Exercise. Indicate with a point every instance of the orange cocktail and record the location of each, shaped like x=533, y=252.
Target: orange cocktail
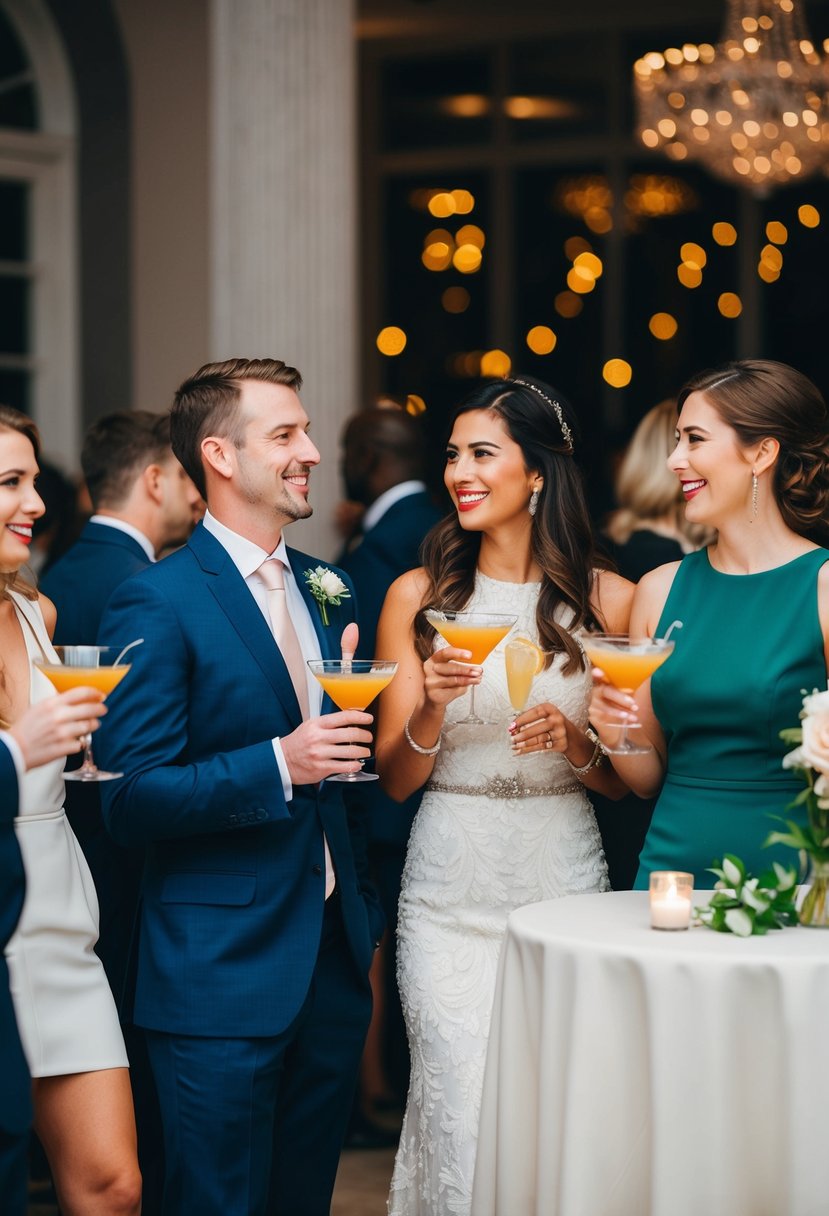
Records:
x=626, y=662
x=353, y=684
x=102, y=678
x=625, y=670
x=87, y=667
x=479, y=632
x=354, y=690
x=480, y=639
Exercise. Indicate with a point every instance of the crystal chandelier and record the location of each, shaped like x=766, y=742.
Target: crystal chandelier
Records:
x=754, y=109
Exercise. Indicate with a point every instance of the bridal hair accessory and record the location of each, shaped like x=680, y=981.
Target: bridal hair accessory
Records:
x=557, y=410
x=754, y=484
x=327, y=588
x=533, y=503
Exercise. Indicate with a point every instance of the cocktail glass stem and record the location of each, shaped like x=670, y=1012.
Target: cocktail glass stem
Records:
x=472, y=718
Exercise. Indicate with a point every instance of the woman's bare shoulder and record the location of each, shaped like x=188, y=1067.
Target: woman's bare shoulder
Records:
x=612, y=597
x=407, y=591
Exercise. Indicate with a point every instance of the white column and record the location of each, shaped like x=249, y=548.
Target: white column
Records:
x=283, y=224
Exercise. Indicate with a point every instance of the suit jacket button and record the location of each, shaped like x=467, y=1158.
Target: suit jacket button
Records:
x=317, y=870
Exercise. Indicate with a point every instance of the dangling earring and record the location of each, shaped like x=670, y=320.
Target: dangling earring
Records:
x=533, y=505
x=754, y=484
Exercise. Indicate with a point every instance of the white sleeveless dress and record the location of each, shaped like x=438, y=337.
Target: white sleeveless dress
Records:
x=64, y=1007
x=493, y=832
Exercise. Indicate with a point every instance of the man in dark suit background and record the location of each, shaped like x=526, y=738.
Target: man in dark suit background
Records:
x=384, y=469
x=45, y=731
x=258, y=922
x=143, y=503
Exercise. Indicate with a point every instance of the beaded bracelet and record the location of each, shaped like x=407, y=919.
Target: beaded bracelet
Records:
x=595, y=760
x=421, y=751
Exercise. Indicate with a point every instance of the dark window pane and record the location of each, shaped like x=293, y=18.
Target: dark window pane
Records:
x=18, y=100
x=559, y=88
x=442, y=312
x=670, y=217
x=15, y=389
x=796, y=305
x=14, y=209
x=435, y=102
x=14, y=316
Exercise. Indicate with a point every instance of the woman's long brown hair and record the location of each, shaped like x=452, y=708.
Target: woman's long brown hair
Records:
x=562, y=534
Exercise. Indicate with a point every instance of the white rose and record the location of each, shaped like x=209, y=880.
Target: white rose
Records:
x=815, y=745
x=816, y=702
x=332, y=585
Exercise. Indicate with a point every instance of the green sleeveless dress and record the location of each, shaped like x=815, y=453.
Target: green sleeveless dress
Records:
x=748, y=648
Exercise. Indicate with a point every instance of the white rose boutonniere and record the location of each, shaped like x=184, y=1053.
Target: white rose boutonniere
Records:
x=327, y=588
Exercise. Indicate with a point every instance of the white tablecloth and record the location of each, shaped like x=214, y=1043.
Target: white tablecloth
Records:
x=633, y=1072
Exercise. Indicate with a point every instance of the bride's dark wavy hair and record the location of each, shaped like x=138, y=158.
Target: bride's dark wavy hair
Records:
x=562, y=535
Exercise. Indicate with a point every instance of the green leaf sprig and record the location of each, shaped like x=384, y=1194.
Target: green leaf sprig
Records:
x=746, y=906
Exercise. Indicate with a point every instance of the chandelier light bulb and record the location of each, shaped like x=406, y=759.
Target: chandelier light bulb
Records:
x=754, y=109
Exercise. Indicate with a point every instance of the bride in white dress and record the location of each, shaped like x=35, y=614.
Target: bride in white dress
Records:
x=505, y=819
x=65, y=1012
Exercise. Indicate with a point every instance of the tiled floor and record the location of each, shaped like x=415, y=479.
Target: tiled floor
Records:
x=362, y=1185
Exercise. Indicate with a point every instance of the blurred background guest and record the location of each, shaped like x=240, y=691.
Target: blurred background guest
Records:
x=384, y=470
x=61, y=521
x=649, y=528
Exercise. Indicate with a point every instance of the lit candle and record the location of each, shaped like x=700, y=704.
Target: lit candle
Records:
x=670, y=899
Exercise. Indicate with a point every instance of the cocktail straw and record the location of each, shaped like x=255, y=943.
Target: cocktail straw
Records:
x=137, y=642
x=673, y=625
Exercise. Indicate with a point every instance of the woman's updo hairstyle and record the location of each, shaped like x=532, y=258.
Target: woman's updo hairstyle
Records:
x=758, y=398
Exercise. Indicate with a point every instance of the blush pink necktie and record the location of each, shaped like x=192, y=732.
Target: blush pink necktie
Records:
x=272, y=575
x=271, y=572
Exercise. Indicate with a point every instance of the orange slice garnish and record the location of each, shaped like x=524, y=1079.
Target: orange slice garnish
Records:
x=526, y=643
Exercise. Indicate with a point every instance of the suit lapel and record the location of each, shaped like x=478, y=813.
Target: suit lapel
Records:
x=328, y=637
x=234, y=598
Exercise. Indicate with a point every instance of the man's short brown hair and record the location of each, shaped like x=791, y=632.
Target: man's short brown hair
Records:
x=116, y=450
x=207, y=404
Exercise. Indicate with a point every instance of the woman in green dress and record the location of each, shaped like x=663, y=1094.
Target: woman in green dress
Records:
x=752, y=457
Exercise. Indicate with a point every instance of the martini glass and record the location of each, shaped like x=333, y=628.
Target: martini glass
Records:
x=353, y=684
x=479, y=632
x=86, y=667
x=627, y=662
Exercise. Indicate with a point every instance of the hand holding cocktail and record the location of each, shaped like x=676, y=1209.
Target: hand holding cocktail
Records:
x=624, y=663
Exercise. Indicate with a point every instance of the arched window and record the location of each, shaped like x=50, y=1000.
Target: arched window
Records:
x=38, y=239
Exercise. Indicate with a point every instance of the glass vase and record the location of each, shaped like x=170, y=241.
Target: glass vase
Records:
x=814, y=910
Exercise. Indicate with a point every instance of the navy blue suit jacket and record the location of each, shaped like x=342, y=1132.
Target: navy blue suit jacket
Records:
x=15, y=1087
x=81, y=582
x=232, y=898
x=386, y=551
x=80, y=585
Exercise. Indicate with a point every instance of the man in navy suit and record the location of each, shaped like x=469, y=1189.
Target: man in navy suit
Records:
x=384, y=466
x=46, y=730
x=258, y=922
x=143, y=503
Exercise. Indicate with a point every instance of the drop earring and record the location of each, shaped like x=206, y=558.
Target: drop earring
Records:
x=754, y=495
x=533, y=504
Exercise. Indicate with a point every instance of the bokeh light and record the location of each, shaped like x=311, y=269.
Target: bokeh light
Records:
x=442, y=205
x=391, y=340
x=724, y=234
x=455, y=299
x=776, y=232
x=415, y=405
x=541, y=340
x=663, y=326
x=567, y=304
x=808, y=215
x=495, y=363
x=693, y=254
x=470, y=234
x=617, y=373
x=689, y=274
x=730, y=304
x=467, y=259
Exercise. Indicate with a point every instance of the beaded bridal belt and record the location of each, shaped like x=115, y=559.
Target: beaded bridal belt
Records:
x=505, y=787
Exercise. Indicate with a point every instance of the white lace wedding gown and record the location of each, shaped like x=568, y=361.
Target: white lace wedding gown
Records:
x=493, y=832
